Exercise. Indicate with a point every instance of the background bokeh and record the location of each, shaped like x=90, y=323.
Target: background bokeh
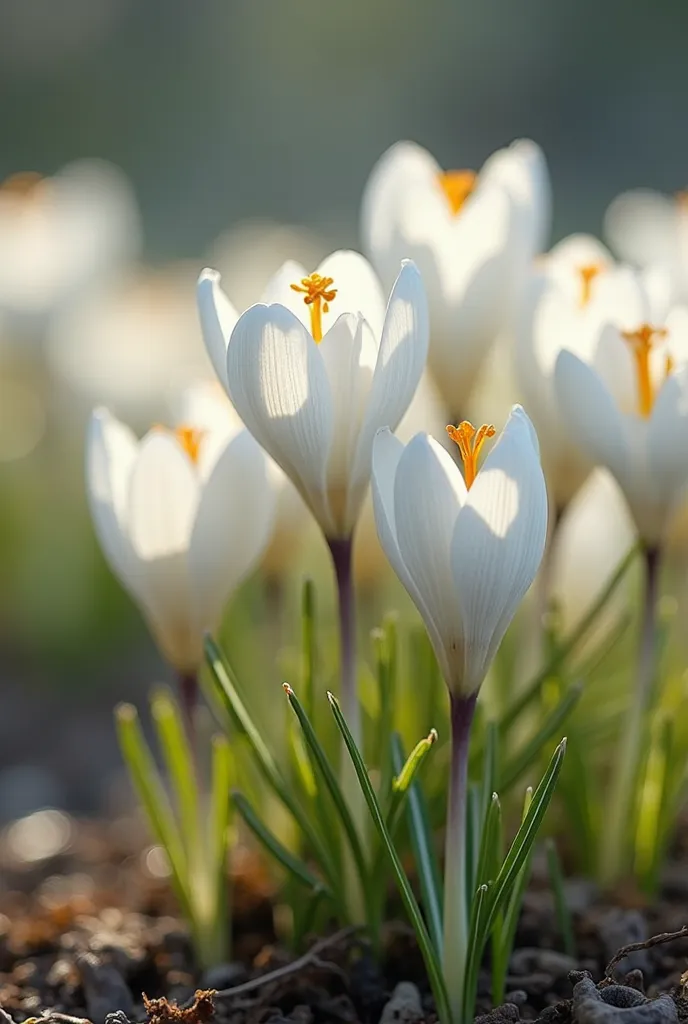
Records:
x=244, y=131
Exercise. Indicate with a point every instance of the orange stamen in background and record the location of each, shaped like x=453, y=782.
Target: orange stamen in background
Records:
x=190, y=439
x=23, y=183
x=470, y=441
x=588, y=273
x=642, y=341
x=457, y=186
x=318, y=294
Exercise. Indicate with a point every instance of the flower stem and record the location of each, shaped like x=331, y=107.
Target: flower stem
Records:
x=342, y=558
x=456, y=909
x=188, y=696
x=620, y=817
x=342, y=552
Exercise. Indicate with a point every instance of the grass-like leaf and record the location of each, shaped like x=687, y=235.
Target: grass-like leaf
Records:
x=551, y=725
x=432, y=963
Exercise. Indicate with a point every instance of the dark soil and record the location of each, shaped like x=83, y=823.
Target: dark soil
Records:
x=87, y=932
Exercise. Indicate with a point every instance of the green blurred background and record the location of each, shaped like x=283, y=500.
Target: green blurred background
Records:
x=243, y=116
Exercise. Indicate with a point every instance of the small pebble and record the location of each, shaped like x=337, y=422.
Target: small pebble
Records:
x=404, y=1007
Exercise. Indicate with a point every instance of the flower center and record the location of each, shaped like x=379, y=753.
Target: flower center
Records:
x=470, y=441
x=457, y=186
x=318, y=293
x=642, y=342
x=588, y=272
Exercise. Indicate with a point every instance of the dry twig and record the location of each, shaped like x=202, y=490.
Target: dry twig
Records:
x=309, y=959
x=634, y=947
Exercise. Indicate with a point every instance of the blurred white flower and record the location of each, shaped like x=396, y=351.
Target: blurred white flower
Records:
x=182, y=517
x=133, y=346
x=61, y=235
x=318, y=370
x=651, y=230
x=577, y=299
x=466, y=548
x=595, y=533
x=626, y=407
x=472, y=237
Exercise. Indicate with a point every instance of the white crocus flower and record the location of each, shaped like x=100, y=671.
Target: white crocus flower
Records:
x=650, y=229
x=317, y=371
x=628, y=410
x=577, y=298
x=466, y=549
x=182, y=517
x=59, y=235
x=472, y=237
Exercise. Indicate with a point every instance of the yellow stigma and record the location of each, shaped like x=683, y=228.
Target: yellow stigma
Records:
x=470, y=441
x=457, y=186
x=188, y=437
x=588, y=273
x=641, y=342
x=318, y=293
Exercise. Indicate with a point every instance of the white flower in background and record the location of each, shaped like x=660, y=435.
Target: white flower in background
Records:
x=207, y=406
x=466, y=548
x=627, y=409
x=182, y=517
x=577, y=298
x=132, y=345
x=62, y=234
x=315, y=373
x=472, y=237
x=595, y=534
x=649, y=229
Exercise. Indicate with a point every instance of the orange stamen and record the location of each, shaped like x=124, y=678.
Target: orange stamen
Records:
x=318, y=294
x=588, y=273
x=190, y=439
x=22, y=184
x=642, y=341
x=470, y=441
x=457, y=186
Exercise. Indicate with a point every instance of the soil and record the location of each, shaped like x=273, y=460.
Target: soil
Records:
x=87, y=932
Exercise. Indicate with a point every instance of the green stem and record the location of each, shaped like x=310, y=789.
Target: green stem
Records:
x=616, y=842
x=456, y=910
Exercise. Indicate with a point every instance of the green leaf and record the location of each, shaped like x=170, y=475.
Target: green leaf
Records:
x=321, y=761
x=532, y=749
x=560, y=904
x=505, y=930
x=432, y=964
x=218, y=838
x=181, y=770
x=525, y=837
x=308, y=645
x=153, y=797
x=277, y=849
x=423, y=851
x=225, y=688
x=476, y=944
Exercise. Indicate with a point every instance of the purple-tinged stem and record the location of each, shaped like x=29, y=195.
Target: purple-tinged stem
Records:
x=342, y=558
x=620, y=817
x=455, y=947
x=188, y=697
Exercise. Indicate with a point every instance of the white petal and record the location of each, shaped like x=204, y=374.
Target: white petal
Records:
x=278, y=384
x=279, y=289
x=205, y=407
x=233, y=525
x=111, y=450
x=348, y=352
x=593, y=420
x=667, y=439
x=641, y=226
x=498, y=543
x=428, y=494
x=387, y=451
x=218, y=318
x=399, y=367
x=358, y=289
x=163, y=496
